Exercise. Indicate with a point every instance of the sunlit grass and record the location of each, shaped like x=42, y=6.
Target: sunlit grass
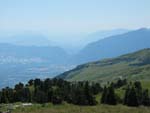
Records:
x=68, y=108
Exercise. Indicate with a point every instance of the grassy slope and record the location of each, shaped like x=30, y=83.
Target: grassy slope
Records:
x=135, y=66
x=67, y=108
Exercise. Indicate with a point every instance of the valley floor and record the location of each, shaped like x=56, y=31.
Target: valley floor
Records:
x=68, y=108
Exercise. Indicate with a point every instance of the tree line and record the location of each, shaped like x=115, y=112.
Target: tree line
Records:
x=52, y=90
x=79, y=93
x=134, y=95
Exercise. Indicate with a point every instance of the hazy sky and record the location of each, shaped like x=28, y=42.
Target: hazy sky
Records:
x=73, y=16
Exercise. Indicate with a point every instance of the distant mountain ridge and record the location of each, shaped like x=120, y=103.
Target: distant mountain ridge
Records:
x=98, y=35
x=70, y=43
x=133, y=66
x=49, y=53
x=26, y=39
x=114, y=46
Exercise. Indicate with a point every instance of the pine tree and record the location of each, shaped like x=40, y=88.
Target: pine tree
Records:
x=146, y=98
x=56, y=96
x=138, y=89
x=104, y=96
x=40, y=97
x=31, y=82
x=4, y=98
x=96, y=88
x=111, y=97
x=49, y=94
x=26, y=94
x=132, y=99
x=126, y=95
x=88, y=95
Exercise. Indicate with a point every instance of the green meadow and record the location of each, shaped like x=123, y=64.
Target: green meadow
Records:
x=68, y=108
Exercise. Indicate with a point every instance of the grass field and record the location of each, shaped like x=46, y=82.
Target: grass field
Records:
x=67, y=108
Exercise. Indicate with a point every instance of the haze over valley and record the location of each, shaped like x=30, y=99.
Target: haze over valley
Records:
x=74, y=56
x=32, y=55
x=29, y=55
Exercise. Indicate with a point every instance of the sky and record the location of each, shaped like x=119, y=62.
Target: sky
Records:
x=58, y=17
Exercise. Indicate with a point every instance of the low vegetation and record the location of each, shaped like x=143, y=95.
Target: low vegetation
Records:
x=69, y=108
x=83, y=109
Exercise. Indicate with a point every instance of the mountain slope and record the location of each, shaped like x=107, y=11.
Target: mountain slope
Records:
x=48, y=53
x=95, y=36
x=131, y=66
x=114, y=46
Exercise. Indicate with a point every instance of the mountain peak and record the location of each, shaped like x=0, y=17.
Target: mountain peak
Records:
x=115, y=45
x=143, y=29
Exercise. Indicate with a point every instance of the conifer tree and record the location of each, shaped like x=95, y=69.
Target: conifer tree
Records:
x=109, y=96
x=132, y=99
x=146, y=98
x=104, y=96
